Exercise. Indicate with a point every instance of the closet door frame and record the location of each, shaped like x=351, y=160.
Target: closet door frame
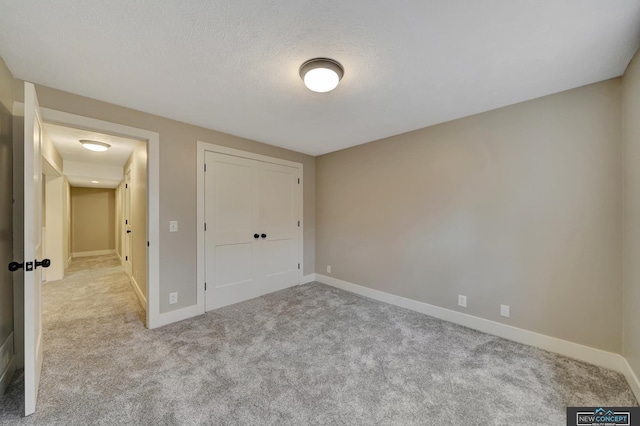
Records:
x=202, y=148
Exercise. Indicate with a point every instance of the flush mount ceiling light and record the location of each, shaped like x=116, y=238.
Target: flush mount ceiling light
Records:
x=321, y=74
x=94, y=145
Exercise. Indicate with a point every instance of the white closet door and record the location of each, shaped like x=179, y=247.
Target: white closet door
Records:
x=252, y=231
x=231, y=214
x=279, y=222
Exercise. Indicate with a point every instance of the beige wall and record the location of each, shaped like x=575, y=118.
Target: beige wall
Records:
x=92, y=219
x=137, y=163
x=178, y=184
x=631, y=263
x=518, y=206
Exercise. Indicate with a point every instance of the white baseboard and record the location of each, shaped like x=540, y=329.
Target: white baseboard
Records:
x=631, y=378
x=7, y=363
x=577, y=351
x=177, y=315
x=308, y=279
x=195, y=310
x=138, y=292
x=92, y=253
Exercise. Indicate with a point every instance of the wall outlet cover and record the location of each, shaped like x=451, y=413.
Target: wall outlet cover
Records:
x=504, y=311
x=462, y=300
x=328, y=269
x=173, y=298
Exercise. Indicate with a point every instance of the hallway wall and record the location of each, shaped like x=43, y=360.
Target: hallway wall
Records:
x=92, y=221
x=138, y=164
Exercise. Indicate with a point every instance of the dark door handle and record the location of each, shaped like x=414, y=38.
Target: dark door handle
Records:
x=256, y=236
x=45, y=263
x=14, y=266
x=264, y=235
x=128, y=231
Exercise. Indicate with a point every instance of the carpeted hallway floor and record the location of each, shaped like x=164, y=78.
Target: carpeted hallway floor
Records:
x=310, y=354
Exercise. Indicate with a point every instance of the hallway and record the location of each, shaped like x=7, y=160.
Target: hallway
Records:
x=95, y=290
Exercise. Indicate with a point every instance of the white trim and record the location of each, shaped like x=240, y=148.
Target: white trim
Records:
x=92, y=253
x=7, y=363
x=631, y=377
x=49, y=166
x=153, y=193
x=308, y=279
x=138, y=292
x=178, y=315
x=206, y=146
x=200, y=240
x=588, y=354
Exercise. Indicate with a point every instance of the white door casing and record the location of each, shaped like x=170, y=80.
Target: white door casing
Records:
x=155, y=318
x=238, y=198
x=32, y=247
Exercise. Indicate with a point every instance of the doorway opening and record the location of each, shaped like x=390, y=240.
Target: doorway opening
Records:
x=94, y=204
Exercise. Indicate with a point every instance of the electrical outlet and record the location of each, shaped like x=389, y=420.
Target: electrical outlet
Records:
x=328, y=269
x=462, y=301
x=504, y=311
x=173, y=226
x=173, y=298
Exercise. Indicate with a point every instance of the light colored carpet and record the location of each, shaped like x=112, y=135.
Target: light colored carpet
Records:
x=310, y=354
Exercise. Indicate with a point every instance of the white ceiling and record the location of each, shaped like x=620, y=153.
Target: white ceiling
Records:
x=233, y=65
x=82, y=166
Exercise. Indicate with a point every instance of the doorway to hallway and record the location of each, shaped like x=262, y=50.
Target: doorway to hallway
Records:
x=95, y=202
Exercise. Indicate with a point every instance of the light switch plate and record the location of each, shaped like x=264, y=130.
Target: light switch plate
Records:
x=173, y=226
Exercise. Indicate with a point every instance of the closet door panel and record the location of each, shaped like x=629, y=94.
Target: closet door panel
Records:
x=232, y=266
x=279, y=218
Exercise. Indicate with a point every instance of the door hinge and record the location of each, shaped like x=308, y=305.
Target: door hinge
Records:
x=298, y=181
x=298, y=224
x=205, y=226
x=147, y=243
x=298, y=266
x=126, y=258
x=205, y=286
x=126, y=185
x=205, y=167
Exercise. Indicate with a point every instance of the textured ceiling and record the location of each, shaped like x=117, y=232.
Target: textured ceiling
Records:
x=233, y=65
